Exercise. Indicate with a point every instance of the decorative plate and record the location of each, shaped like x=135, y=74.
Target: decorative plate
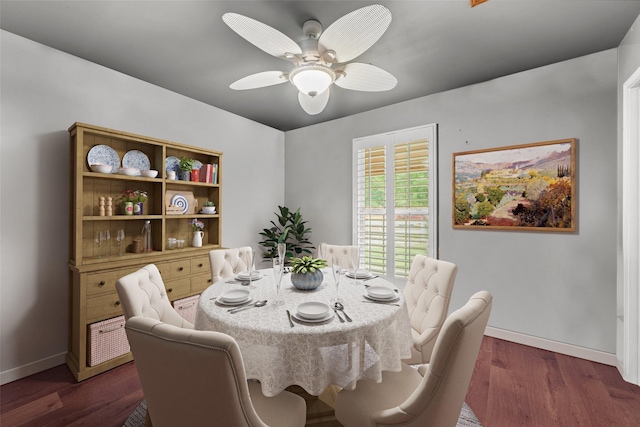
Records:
x=172, y=163
x=180, y=201
x=104, y=155
x=197, y=164
x=136, y=159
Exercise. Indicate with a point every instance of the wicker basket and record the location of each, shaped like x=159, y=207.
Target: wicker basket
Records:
x=107, y=340
x=186, y=307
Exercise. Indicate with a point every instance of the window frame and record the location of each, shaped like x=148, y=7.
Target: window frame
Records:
x=389, y=140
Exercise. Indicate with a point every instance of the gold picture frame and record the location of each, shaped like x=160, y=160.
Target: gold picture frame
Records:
x=530, y=187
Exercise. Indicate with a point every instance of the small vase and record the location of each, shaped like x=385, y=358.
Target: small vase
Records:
x=128, y=208
x=185, y=175
x=137, y=208
x=195, y=175
x=197, y=239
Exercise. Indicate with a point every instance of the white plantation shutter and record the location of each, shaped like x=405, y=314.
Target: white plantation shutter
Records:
x=394, y=192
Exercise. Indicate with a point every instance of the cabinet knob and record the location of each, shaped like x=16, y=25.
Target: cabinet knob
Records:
x=181, y=268
x=101, y=283
x=170, y=290
x=200, y=265
x=209, y=280
x=118, y=302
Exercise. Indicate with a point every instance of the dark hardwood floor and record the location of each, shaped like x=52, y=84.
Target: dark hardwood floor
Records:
x=512, y=385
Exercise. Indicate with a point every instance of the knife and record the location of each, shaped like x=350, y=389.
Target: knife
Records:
x=290, y=321
x=380, y=302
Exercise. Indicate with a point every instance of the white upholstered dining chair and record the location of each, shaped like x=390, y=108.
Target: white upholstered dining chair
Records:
x=226, y=263
x=197, y=378
x=142, y=293
x=345, y=255
x=433, y=394
x=427, y=295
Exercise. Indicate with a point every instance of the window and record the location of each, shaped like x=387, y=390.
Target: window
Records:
x=394, y=199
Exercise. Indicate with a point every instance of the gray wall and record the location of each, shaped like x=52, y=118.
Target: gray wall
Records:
x=44, y=91
x=557, y=286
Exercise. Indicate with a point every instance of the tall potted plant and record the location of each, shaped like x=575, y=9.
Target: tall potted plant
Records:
x=290, y=229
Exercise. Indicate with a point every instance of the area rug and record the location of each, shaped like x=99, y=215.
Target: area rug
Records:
x=137, y=417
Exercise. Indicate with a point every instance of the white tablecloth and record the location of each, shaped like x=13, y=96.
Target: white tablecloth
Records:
x=312, y=356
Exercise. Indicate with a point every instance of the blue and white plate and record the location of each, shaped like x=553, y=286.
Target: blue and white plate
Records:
x=197, y=164
x=136, y=159
x=172, y=163
x=104, y=155
x=180, y=201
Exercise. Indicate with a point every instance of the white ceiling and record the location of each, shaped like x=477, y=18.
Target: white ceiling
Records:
x=431, y=46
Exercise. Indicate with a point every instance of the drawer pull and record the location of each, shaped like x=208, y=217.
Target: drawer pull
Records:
x=101, y=283
x=200, y=265
x=181, y=268
x=117, y=302
x=112, y=329
x=170, y=290
x=209, y=280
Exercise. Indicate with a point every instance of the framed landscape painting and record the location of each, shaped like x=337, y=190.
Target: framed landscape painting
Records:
x=529, y=187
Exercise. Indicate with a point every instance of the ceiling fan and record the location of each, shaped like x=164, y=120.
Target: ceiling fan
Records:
x=321, y=58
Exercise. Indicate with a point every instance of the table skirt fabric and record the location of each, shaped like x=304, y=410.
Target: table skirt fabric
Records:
x=312, y=356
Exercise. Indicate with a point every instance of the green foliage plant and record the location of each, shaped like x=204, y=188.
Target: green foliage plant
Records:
x=209, y=203
x=307, y=264
x=290, y=229
x=186, y=165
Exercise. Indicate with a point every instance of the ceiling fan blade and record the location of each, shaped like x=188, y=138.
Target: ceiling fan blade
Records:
x=261, y=35
x=254, y=81
x=355, y=32
x=315, y=105
x=366, y=77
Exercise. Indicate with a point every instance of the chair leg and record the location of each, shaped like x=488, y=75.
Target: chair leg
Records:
x=147, y=420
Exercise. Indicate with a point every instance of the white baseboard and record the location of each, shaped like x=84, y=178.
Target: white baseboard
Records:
x=555, y=346
x=31, y=368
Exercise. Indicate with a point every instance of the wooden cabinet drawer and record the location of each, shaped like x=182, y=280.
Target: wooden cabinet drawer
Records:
x=178, y=288
x=200, y=265
x=200, y=282
x=105, y=281
x=175, y=269
x=103, y=307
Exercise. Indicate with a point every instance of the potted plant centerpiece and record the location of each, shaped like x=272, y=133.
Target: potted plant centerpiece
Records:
x=307, y=272
x=186, y=165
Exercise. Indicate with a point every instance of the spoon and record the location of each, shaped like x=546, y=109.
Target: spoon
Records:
x=340, y=307
x=257, y=304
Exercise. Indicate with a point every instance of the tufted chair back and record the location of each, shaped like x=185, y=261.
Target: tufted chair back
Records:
x=226, y=263
x=142, y=293
x=197, y=378
x=427, y=294
x=342, y=254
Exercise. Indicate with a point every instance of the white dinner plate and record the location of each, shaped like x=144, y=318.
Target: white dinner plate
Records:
x=299, y=318
x=244, y=275
x=397, y=298
x=381, y=292
x=235, y=295
x=312, y=310
x=233, y=304
x=360, y=274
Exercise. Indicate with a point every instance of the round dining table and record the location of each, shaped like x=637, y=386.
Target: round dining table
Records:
x=310, y=355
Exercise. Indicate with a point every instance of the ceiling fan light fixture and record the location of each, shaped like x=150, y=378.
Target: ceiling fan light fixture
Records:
x=312, y=79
